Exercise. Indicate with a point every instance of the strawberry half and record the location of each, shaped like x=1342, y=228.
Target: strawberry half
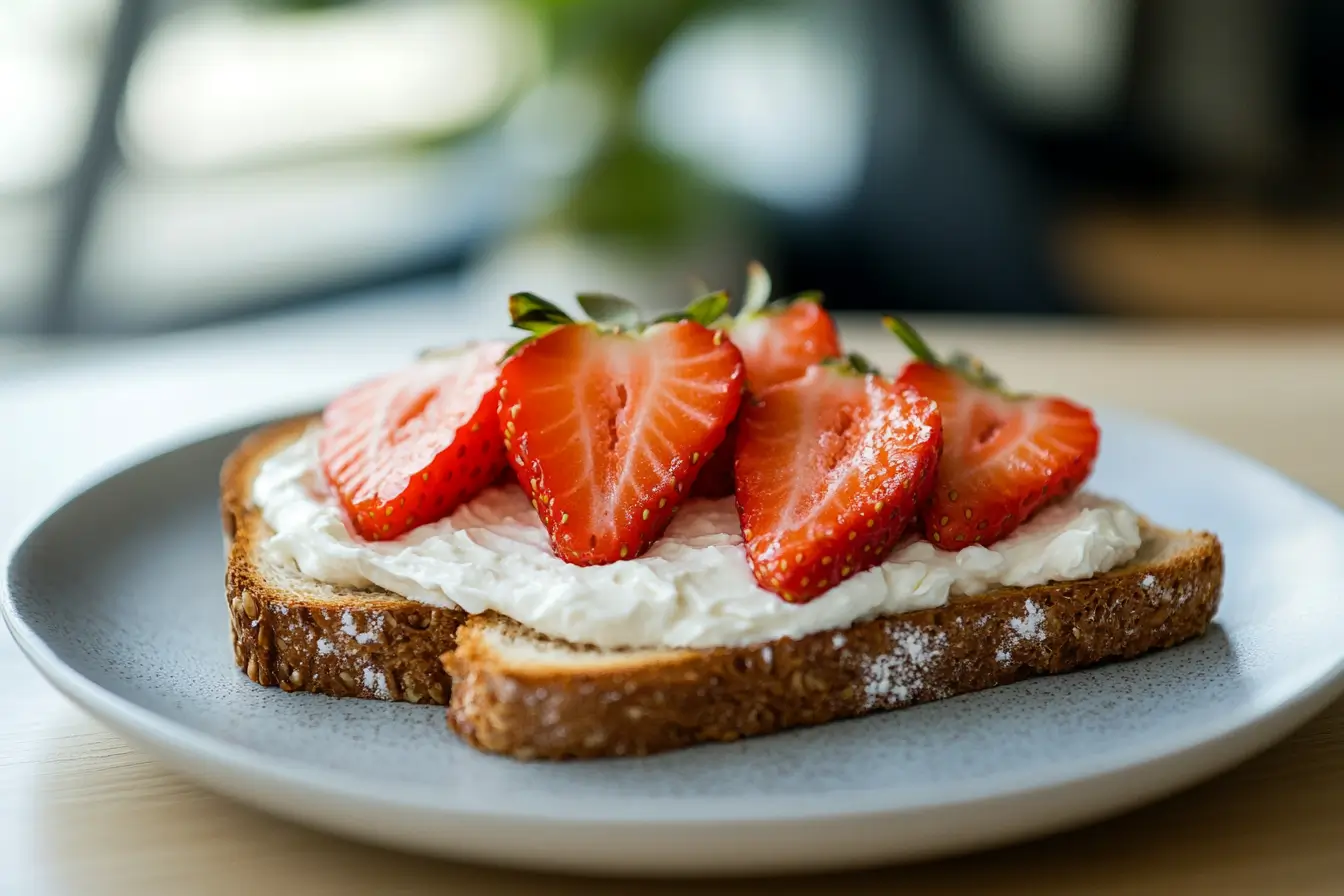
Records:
x=778, y=340
x=408, y=448
x=831, y=470
x=1005, y=455
x=607, y=424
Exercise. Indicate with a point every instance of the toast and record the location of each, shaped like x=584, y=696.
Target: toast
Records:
x=512, y=691
x=301, y=635
x=527, y=696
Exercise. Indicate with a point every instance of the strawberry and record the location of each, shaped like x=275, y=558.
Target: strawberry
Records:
x=410, y=447
x=607, y=423
x=778, y=341
x=1005, y=455
x=716, y=477
x=831, y=470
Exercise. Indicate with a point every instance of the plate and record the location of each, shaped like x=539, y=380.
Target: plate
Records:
x=117, y=598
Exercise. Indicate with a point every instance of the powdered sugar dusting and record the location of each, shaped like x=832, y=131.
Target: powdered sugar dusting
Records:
x=376, y=682
x=838, y=641
x=324, y=647
x=1148, y=581
x=1028, y=627
x=371, y=635
x=348, y=624
x=767, y=656
x=892, y=678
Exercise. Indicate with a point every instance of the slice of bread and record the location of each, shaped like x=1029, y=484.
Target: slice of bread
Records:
x=527, y=696
x=513, y=691
x=302, y=635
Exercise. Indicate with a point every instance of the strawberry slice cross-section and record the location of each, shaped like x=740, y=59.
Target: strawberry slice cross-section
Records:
x=831, y=469
x=408, y=448
x=607, y=423
x=779, y=339
x=1005, y=455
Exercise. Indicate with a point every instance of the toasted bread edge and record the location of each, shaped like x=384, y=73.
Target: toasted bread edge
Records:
x=356, y=643
x=515, y=695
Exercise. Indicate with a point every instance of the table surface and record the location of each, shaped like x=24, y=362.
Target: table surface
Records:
x=83, y=812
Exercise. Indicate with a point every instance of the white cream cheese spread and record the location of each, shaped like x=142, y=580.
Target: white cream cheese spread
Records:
x=693, y=588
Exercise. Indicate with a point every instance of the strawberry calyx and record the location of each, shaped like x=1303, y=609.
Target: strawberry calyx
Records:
x=608, y=313
x=756, y=298
x=852, y=364
x=968, y=367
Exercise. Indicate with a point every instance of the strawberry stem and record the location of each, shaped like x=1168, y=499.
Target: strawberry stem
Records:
x=759, y=286
x=967, y=367
x=913, y=341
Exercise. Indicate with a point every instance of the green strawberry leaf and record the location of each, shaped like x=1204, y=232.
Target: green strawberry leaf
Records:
x=536, y=315
x=854, y=364
x=610, y=310
x=757, y=294
x=913, y=341
x=707, y=309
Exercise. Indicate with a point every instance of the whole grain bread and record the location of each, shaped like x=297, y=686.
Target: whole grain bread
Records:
x=513, y=691
x=301, y=635
x=527, y=696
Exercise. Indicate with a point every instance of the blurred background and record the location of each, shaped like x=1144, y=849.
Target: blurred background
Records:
x=165, y=165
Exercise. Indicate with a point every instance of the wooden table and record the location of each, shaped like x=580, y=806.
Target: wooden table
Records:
x=82, y=812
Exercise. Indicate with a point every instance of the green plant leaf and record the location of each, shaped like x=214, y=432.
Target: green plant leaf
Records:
x=913, y=341
x=514, y=349
x=861, y=364
x=611, y=310
x=853, y=364
x=707, y=309
x=536, y=315
x=757, y=294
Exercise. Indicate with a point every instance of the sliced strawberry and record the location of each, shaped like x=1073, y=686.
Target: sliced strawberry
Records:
x=408, y=448
x=607, y=427
x=1004, y=455
x=831, y=469
x=779, y=340
x=716, y=477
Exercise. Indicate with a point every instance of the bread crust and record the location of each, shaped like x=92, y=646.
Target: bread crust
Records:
x=663, y=700
x=366, y=643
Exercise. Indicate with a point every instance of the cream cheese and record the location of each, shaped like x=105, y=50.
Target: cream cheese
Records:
x=693, y=588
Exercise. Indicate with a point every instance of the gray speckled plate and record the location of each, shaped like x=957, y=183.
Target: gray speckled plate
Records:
x=117, y=598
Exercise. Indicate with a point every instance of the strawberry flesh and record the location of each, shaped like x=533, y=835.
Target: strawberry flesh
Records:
x=1004, y=456
x=408, y=448
x=831, y=469
x=606, y=431
x=716, y=478
x=778, y=344
x=781, y=342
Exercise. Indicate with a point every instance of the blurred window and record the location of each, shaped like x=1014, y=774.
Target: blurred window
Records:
x=49, y=65
x=264, y=150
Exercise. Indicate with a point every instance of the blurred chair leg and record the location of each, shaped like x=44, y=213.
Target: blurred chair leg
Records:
x=98, y=155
